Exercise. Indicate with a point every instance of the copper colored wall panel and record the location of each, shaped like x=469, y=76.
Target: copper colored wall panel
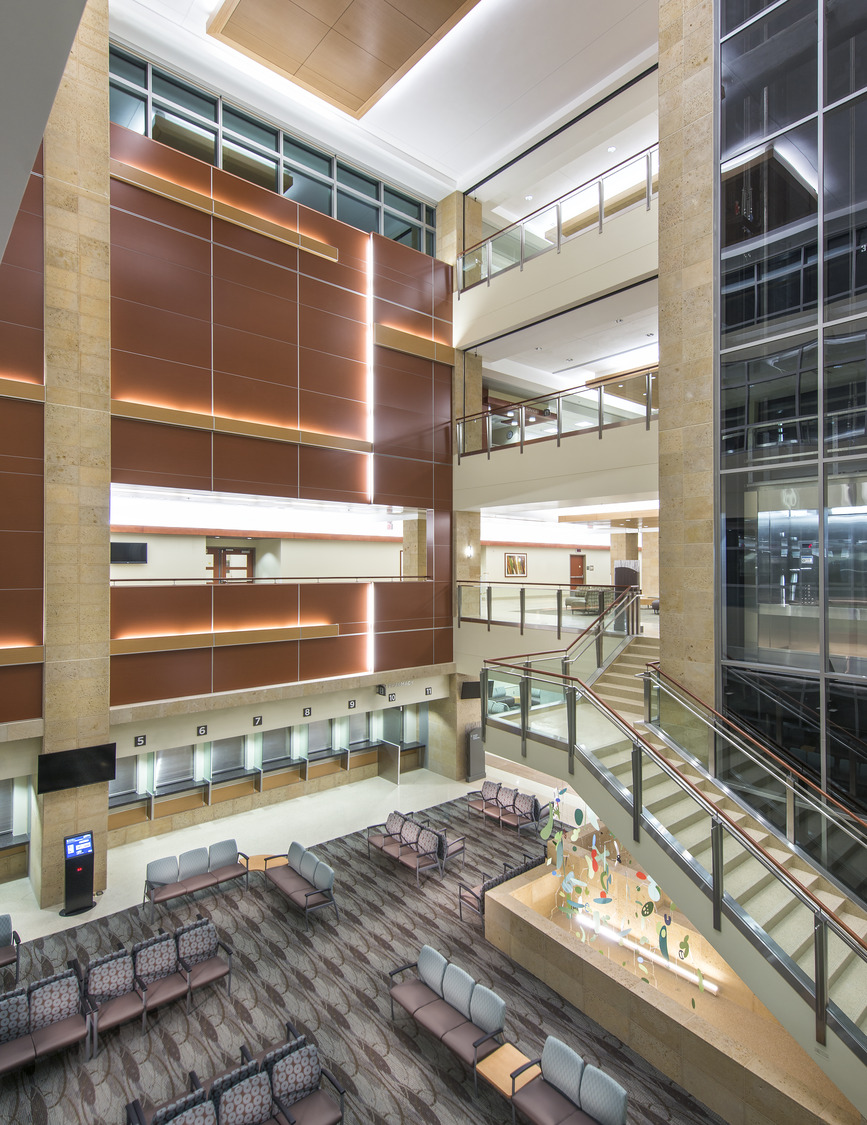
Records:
x=160, y=285
x=443, y=646
x=405, y=649
x=255, y=607
x=259, y=272
x=22, y=353
x=21, y=296
x=402, y=605
x=153, y=611
x=328, y=414
x=20, y=692
x=24, y=247
x=351, y=244
x=21, y=503
x=442, y=603
x=395, y=264
x=135, y=210
x=21, y=291
x=253, y=400
x=168, y=456
x=256, y=311
x=22, y=555
x=32, y=200
x=21, y=437
x=336, y=335
x=255, y=200
x=21, y=615
x=406, y=320
x=160, y=675
x=348, y=273
x=332, y=375
x=329, y=603
x=160, y=382
x=397, y=480
x=249, y=666
x=158, y=333
x=324, y=657
x=255, y=245
x=257, y=357
x=247, y=464
x=316, y=294
x=160, y=160
x=332, y=474
x=403, y=433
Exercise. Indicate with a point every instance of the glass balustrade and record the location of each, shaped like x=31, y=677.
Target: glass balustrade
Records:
x=846, y=976
x=587, y=208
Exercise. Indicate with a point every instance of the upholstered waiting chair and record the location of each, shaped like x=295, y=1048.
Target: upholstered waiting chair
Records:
x=161, y=882
x=109, y=986
x=158, y=973
x=199, y=955
x=224, y=862
x=295, y=1084
x=10, y=943
x=479, y=799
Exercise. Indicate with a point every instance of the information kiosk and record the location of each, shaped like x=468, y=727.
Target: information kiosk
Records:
x=78, y=851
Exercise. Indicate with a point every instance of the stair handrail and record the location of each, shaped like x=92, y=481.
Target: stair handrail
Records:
x=592, y=385
x=763, y=750
x=756, y=850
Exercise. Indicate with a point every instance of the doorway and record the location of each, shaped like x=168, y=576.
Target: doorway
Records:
x=577, y=570
x=231, y=564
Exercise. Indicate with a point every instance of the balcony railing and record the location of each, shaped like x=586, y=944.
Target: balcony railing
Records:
x=585, y=208
x=566, y=607
x=623, y=400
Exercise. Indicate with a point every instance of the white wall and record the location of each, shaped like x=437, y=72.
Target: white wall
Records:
x=169, y=556
x=545, y=564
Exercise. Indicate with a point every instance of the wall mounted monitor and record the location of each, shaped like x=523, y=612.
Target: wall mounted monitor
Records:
x=76, y=846
x=70, y=769
x=471, y=689
x=129, y=552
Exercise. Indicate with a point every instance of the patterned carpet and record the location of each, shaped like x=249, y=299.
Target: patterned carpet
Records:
x=333, y=984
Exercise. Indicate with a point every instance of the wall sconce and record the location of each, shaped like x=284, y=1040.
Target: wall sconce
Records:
x=468, y=551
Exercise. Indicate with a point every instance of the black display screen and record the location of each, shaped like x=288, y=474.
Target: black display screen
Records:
x=69, y=769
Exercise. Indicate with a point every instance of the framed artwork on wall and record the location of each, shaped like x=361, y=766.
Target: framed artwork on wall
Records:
x=515, y=565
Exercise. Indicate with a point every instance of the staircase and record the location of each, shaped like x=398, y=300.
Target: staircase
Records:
x=762, y=900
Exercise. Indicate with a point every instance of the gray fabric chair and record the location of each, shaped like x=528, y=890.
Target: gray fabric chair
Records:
x=224, y=862
x=193, y=871
x=10, y=945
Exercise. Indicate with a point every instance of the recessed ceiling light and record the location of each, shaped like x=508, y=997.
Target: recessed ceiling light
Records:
x=528, y=198
x=568, y=358
x=649, y=333
x=538, y=347
x=612, y=148
x=619, y=320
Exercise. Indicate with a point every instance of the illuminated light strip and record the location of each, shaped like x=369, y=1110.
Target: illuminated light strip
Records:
x=369, y=338
x=643, y=951
x=165, y=642
x=371, y=609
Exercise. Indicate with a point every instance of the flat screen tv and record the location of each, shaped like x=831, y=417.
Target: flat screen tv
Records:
x=129, y=552
x=69, y=769
x=471, y=689
x=79, y=845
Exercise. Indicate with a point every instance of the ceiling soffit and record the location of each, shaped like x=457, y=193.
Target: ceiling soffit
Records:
x=349, y=52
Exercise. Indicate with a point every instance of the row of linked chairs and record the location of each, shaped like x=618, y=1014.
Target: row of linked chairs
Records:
x=282, y=1085
x=10, y=945
x=508, y=807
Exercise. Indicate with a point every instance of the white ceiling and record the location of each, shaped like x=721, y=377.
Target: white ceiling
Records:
x=509, y=73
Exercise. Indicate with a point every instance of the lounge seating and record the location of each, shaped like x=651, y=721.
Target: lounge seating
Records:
x=196, y=870
x=466, y=1017
x=415, y=845
x=280, y=1087
x=479, y=799
x=567, y=1092
x=305, y=880
x=504, y=802
x=590, y=599
x=48, y=1016
x=10, y=945
x=474, y=897
x=158, y=973
x=199, y=956
x=111, y=992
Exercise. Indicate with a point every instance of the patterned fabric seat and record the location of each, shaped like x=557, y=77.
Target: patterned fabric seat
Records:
x=524, y=811
x=158, y=973
x=190, y=1109
x=10, y=945
x=109, y=986
x=16, y=1046
x=424, y=855
x=199, y=954
x=295, y=1084
x=56, y=1017
x=474, y=897
x=388, y=839
x=479, y=799
x=505, y=802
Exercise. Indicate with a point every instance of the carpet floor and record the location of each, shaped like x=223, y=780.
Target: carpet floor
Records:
x=333, y=984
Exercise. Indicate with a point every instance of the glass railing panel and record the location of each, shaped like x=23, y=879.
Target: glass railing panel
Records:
x=623, y=402
x=685, y=728
x=505, y=428
x=505, y=250
x=847, y=972
x=579, y=212
x=540, y=419
x=474, y=266
x=582, y=662
x=547, y=714
x=625, y=187
x=504, y=696
x=599, y=736
x=750, y=779
x=579, y=411
x=472, y=601
x=654, y=394
x=611, y=642
x=505, y=602
x=832, y=841
x=540, y=233
x=551, y=664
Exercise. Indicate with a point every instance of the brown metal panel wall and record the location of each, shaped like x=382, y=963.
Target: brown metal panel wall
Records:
x=20, y=692
x=21, y=291
x=21, y=508
x=143, y=676
x=151, y=611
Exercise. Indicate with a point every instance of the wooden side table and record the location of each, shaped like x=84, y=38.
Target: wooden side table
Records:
x=497, y=1068
x=257, y=862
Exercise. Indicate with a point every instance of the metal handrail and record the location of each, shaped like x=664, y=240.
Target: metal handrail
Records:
x=764, y=752
x=276, y=580
x=807, y=897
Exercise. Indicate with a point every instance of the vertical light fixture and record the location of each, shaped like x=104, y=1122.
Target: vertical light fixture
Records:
x=369, y=363
x=371, y=606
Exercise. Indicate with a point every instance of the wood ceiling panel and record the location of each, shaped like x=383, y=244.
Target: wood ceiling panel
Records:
x=349, y=52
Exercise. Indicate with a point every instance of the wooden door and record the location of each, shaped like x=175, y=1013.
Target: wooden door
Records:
x=226, y=563
x=577, y=570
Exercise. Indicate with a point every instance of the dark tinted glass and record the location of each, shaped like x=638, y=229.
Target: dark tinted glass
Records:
x=736, y=12
x=846, y=578
x=402, y=203
x=846, y=387
x=768, y=223
x=400, y=230
x=847, y=742
x=125, y=67
x=309, y=157
x=846, y=208
x=306, y=190
x=184, y=136
x=357, y=213
x=126, y=109
x=770, y=403
x=252, y=130
x=184, y=96
x=846, y=47
x=250, y=165
x=430, y=243
x=357, y=181
x=769, y=75
x=430, y=216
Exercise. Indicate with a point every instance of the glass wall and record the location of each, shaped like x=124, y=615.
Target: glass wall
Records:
x=793, y=377
x=201, y=124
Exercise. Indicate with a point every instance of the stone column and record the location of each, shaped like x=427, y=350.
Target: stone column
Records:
x=686, y=345
x=77, y=448
x=650, y=564
x=624, y=548
x=415, y=547
x=468, y=559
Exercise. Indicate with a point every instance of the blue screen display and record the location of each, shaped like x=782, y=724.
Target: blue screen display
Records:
x=79, y=845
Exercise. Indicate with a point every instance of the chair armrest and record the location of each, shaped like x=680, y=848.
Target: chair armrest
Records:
x=135, y=1113
x=484, y=1039
x=402, y=968
x=292, y=1031
x=474, y=793
x=245, y=1054
x=188, y=968
x=333, y=1081
x=279, y=855
x=457, y=840
x=284, y=1109
x=246, y=858
x=16, y=939
x=309, y=894
x=195, y=1081
x=525, y=1066
x=228, y=949
x=470, y=891
x=73, y=964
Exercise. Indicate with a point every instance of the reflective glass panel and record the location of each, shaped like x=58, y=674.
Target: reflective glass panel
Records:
x=430, y=216
x=400, y=202
x=846, y=387
x=847, y=742
x=184, y=95
x=782, y=710
x=846, y=594
x=401, y=230
x=357, y=213
x=430, y=243
x=249, y=165
x=357, y=181
x=846, y=209
x=540, y=233
x=736, y=12
x=505, y=250
x=124, y=779
x=309, y=157
x=580, y=212
x=768, y=74
x=306, y=190
x=253, y=130
x=184, y=136
x=770, y=403
x=125, y=67
x=846, y=47
x=772, y=558
x=769, y=204
x=126, y=109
